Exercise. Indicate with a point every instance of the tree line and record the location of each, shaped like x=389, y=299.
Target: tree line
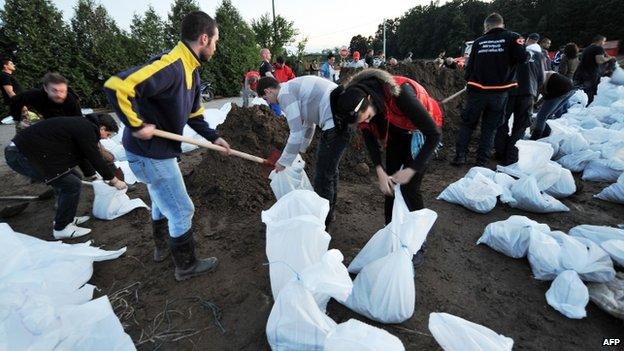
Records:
x=427, y=30
x=92, y=47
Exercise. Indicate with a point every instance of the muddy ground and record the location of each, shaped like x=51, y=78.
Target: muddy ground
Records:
x=458, y=277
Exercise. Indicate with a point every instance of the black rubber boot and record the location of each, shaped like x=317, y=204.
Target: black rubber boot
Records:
x=459, y=160
x=160, y=232
x=186, y=264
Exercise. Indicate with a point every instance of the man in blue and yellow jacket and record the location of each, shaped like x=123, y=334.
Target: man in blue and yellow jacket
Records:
x=165, y=94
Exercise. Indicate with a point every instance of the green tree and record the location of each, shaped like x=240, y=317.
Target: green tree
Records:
x=360, y=44
x=236, y=53
x=148, y=33
x=179, y=9
x=274, y=36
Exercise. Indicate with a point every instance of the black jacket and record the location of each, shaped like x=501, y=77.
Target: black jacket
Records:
x=37, y=100
x=530, y=76
x=57, y=145
x=493, y=60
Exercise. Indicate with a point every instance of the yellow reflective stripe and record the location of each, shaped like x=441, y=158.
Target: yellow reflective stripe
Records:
x=123, y=94
x=199, y=112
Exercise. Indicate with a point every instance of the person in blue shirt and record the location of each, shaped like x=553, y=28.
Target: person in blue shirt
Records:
x=165, y=93
x=327, y=69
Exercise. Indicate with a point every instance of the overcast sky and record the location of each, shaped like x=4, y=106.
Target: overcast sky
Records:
x=327, y=23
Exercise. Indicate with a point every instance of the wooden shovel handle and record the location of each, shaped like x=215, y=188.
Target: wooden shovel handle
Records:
x=453, y=96
x=208, y=145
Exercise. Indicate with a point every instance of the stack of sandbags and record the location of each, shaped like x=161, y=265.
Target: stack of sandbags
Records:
x=45, y=299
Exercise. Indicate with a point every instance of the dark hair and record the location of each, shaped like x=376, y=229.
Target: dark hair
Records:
x=197, y=23
x=5, y=61
x=571, y=50
x=330, y=56
x=494, y=19
x=598, y=38
x=53, y=78
x=544, y=39
x=266, y=83
x=103, y=120
x=280, y=60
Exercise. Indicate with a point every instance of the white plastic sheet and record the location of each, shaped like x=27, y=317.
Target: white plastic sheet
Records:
x=292, y=178
x=296, y=322
x=354, y=335
x=568, y=295
x=110, y=203
x=457, y=334
x=478, y=194
x=511, y=236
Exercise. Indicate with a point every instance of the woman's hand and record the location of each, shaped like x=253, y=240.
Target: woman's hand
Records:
x=385, y=183
x=403, y=176
x=279, y=168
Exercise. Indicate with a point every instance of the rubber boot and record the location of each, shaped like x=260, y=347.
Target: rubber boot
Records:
x=459, y=160
x=186, y=264
x=160, y=232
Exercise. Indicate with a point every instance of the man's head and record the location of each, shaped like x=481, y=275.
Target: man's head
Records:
x=493, y=21
x=8, y=66
x=55, y=85
x=331, y=58
x=268, y=88
x=356, y=56
x=545, y=43
x=393, y=61
x=599, y=40
x=265, y=54
x=106, y=124
x=200, y=31
x=449, y=61
x=532, y=39
x=279, y=61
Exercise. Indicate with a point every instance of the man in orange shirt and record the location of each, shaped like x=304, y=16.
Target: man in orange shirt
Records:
x=282, y=72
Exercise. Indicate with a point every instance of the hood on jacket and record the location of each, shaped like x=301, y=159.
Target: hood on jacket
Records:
x=373, y=73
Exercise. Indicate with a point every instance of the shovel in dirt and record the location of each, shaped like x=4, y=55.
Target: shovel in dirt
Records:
x=14, y=210
x=268, y=163
x=452, y=97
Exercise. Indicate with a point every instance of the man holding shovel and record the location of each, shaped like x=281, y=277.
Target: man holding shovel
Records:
x=165, y=93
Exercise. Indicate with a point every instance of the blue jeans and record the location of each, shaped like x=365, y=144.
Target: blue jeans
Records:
x=551, y=109
x=167, y=191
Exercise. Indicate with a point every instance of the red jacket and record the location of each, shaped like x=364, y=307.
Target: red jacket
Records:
x=283, y=74
x=398, y=119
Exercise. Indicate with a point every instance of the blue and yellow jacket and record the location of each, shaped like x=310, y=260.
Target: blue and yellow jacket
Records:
x=164, y=92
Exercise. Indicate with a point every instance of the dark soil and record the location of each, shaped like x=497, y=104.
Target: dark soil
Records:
x=458, y=277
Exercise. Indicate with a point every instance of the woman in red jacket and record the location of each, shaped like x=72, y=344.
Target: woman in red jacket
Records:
x=397, y=112
x=282, y=73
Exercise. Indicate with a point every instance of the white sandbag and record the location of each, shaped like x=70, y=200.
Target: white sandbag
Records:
x=573, y=143
x=478, y=194
x=354, y=335
x=579, y=98
x=591, y=262
x=110, y=203
x=568, y=295
x=597, y=233
x=115, y=148
x=564, y=186
x=577, y=161
x=129, y=177
x=615, y=249
x=297, y=203
x=609, y=296
x=603, y=170
x=293, y=245
x=8, y=120
x=617, y=77
x=505, y=181
x=457, y=334
x=532, y=155
x=292, y=178
x=215, y=117
x=511, y=236
x=528, y=197
x=612, y=193
x=296, y=322
x=548, y=175
x=544, y=255
x=472, y=172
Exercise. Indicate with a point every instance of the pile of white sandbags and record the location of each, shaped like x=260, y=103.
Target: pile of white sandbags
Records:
x=585, y=254
x=304, y=275
x=45, y=299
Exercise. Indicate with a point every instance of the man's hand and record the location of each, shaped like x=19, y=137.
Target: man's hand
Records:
x=403, y=176
x=118, y=184
x=145, y=133
x=385, y=183
x=92, y=178
x=24, y=124
x=221, y=142
x=279, y=167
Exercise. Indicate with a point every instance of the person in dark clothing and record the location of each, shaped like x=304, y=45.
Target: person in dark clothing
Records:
x=398, y=112
x=588, y=72
x=54, y=99
x=556, y=90
x=530, y=77
x=49, y=150
x=569, y=60
x=489, y=74
x=10, y=88
x=266, y=68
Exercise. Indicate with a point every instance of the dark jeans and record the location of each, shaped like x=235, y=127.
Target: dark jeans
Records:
x=399, y=154
x=332, y=146
x=590, y=87
x=504, y=144
x=67, y=187
x=490, y=108
x=551, y=109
